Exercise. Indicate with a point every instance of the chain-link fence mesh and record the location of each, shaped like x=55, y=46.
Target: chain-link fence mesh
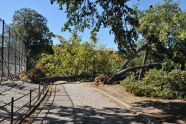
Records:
x=12, y=52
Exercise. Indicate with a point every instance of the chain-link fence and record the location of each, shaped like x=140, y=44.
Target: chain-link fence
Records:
x=12, y=52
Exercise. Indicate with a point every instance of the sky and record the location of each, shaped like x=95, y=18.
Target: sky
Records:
x=56, y=18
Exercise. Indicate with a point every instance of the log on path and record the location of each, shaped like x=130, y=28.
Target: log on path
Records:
x=65, y=78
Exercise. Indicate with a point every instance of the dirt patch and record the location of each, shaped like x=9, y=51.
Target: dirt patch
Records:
x=167, y=111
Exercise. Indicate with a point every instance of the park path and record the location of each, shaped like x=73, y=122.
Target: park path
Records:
x=73, y=103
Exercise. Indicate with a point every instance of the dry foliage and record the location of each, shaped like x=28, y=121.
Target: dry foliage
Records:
x=30, y=74
x=101, y=80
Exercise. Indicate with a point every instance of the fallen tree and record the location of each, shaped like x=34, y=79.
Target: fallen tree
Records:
x=121, y=74
x=118, y=76
x=66, y=78
x=142, y=47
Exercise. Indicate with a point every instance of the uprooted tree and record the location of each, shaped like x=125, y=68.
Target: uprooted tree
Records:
x=162, y=28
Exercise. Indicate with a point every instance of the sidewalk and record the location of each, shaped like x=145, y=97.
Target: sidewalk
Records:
x=74, y=103
x=165, y=111
x=19, y=90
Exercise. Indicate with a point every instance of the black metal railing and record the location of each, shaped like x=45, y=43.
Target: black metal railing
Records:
x=17, y=113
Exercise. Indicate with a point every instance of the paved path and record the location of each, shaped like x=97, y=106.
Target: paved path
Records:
x=74, y=103
x=20, y=91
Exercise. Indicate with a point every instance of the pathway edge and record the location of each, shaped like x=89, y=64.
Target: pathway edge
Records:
x=140, y=114
x=28, y=113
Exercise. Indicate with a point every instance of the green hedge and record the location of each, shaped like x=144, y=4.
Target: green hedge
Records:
x=158, y=83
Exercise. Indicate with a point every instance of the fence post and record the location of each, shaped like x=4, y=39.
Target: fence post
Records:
x=12, y=110
x=43, y=87
x=30, y=102
x=39, y=92
x=2, y=50
x=15, y=55
x=8, y=50
x=19, y=55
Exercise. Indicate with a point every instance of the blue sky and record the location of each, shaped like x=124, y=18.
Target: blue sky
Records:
x=56, y=18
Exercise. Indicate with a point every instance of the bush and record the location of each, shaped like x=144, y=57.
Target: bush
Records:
x=158, y=83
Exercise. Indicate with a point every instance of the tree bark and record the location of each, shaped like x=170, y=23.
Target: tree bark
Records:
x=144, y=62
x=125, y=64
x=66, y=78
x=137, y=51
x=120, y=75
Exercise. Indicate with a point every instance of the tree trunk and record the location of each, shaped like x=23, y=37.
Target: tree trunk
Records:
x=137, y=51
x=144, y=46
x=120, y=75
x=66, y=78
x=144, y=62
x=125, y=64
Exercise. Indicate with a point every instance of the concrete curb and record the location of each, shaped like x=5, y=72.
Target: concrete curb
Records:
x=141, y=115
x=28, y=113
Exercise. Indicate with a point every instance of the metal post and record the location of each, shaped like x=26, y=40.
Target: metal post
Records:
x=12, y=110
x=2, y=50
x=19, y=55
x=43, y=87
x=30, y=102
x=15, y=55
x=39, y=92
x=9, y=50
x=22, y=58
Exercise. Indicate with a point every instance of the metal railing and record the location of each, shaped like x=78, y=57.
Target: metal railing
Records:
x=12, y=52
x=13, y=115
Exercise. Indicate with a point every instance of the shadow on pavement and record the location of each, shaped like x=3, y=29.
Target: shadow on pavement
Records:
x=70, y=113
x=169, y=112
x=88, y=115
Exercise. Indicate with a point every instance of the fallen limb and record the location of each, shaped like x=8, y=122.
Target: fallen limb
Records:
x=120, y=75
x=65, y=78
x=137, y=51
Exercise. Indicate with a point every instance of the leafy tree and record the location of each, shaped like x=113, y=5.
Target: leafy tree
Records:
x=163, y=30
x=73, y=57
x=163, y=26
x=32, y=27
x=95, y=14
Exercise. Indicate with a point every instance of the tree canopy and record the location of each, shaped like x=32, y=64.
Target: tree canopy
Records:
x=164, y=26
x=73, y=57
x=95, y=14
x=32, y=27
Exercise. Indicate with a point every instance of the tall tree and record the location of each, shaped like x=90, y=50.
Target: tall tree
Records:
x=32, y=27
x=94, y=14
x=163, y=30
x=163, y=26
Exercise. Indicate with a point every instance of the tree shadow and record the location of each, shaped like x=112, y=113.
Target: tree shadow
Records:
x=4, y=113
x=87, y=115
x=169, y=112
x=11, y=86
x=67, y=112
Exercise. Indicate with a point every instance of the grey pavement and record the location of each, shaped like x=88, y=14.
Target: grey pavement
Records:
x=19, y=90
x=73, y=103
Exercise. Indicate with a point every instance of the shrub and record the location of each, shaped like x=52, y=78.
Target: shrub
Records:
x=158, y=83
